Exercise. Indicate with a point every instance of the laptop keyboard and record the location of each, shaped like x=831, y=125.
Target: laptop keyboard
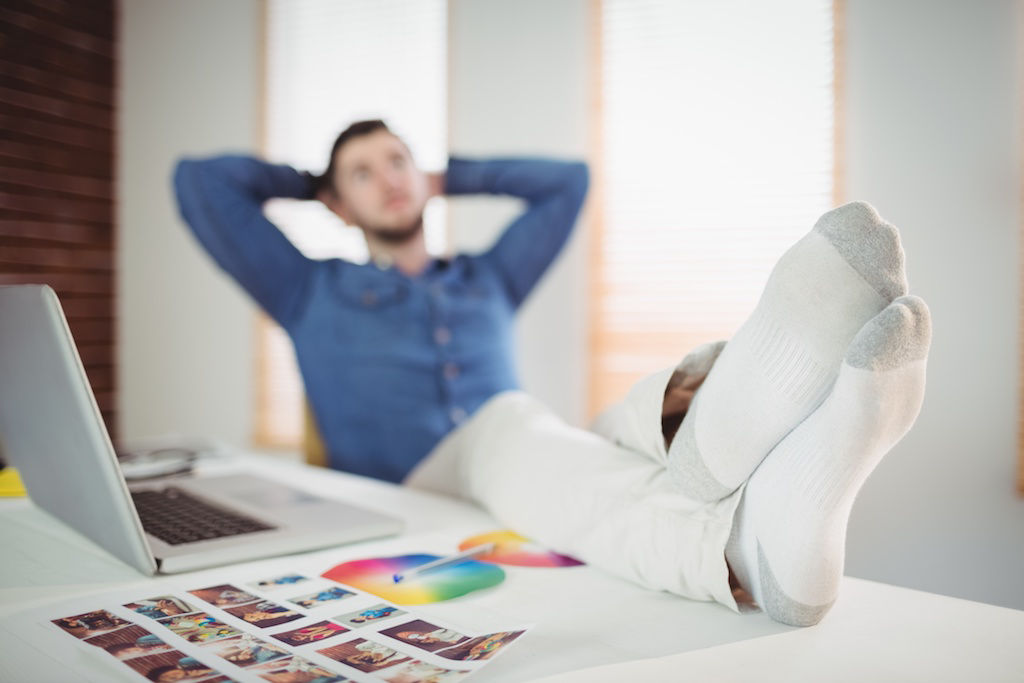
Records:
x=177, y=517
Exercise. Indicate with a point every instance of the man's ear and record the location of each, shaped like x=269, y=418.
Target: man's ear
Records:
x=333, y=202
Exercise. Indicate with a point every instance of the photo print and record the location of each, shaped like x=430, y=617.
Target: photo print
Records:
x=272, y=665
x=417, y=671
x=198, y=628
x=171, y=666
x=246, y=650
x=425, y=636
x=278, y=582
x=160, y=607
x=365, y=655
x=313, y=633
x=296, y=670
x=371, y=614
x=481, y=647
x=264, y=614
x=130, y=641
x=317, y=599
x=90, y=623
x=223, y=595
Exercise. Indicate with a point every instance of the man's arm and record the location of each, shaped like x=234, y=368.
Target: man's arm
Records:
x=222, y=199
x=554, y=191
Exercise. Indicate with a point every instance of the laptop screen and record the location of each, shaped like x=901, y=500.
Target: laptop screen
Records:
x=52, y=431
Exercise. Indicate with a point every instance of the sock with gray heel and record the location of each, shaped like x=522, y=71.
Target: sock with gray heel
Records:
x=789, y=533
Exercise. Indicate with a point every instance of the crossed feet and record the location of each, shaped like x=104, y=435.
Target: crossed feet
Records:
x=822, y=380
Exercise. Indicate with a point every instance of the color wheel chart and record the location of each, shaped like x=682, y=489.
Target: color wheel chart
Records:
x=518, y=551
x=376, y=575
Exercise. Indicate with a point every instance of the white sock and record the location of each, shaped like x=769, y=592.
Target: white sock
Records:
x=789, y=533
x=783, y=360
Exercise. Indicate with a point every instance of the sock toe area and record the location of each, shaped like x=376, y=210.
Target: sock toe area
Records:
x=900, y=334
x=869, y=244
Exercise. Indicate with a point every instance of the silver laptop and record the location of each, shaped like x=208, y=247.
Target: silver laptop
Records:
x=51, y=430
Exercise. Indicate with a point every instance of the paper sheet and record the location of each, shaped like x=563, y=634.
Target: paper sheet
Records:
x=284, y=626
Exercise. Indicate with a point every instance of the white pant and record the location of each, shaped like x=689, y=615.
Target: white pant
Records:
x=603, y=496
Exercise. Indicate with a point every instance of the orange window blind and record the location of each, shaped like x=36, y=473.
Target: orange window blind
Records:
x=717, y=150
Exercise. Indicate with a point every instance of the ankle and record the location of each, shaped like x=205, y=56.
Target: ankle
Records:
x=740, y=594
x=679, y=393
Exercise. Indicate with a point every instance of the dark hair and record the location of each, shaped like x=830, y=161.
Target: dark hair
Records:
x=114, y=648
x=357, y=129
x=155, y=674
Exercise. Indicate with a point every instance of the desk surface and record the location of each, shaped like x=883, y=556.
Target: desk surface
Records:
x=583, y=618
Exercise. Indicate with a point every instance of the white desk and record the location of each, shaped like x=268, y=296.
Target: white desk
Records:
x=583, y=618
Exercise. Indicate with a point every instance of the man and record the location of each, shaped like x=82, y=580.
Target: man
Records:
x=395, y=353
x=735, y=472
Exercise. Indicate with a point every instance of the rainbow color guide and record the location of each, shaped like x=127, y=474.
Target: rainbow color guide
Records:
x=376, y=575
x=512, y=549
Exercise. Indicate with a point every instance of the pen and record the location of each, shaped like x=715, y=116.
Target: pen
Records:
x=466, y=554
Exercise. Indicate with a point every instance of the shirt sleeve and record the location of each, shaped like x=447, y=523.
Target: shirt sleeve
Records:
x=221, y=199
x=554, y=191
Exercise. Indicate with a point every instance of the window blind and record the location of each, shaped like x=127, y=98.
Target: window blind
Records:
x=717, y=131
x=329, y=63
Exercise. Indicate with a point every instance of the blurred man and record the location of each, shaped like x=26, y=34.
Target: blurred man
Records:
x=397, y=352
x=728, y=477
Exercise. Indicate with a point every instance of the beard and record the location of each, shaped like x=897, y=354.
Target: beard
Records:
x=396, y=236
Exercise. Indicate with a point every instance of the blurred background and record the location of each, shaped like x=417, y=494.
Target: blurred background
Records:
x=716, y=133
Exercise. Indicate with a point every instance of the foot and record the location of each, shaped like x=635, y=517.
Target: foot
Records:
x=789, y=532
x=784, y=359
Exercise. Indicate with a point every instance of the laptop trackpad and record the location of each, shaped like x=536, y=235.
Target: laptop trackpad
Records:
x=255, y=492
x=272, y=496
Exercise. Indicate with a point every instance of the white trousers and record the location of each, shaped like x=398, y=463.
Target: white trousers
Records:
x=603, y=496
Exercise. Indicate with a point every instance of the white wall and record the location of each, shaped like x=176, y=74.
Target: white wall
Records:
x=518, y=85
x=933, y=144
x=931, y=141
x=188, y=85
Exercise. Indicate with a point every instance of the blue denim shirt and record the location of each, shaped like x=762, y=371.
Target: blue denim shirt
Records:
x=391, y=363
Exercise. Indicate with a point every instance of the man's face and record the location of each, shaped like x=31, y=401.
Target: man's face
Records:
x=378, y=187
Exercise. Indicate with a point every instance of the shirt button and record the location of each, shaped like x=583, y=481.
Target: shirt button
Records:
x=369, y=298
x=442, y=335
x=451, y=371
x=458, y=415
x=437, y=289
